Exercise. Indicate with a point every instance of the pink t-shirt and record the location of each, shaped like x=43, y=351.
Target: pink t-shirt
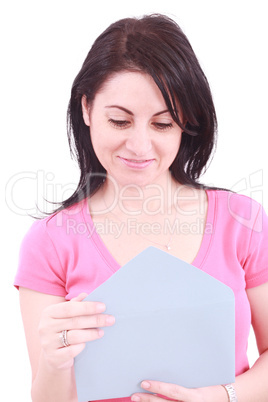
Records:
x=64, y=255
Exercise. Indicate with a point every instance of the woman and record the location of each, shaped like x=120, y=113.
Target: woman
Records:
x=142, y=125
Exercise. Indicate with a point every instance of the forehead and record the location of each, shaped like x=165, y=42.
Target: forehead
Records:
x=130, y=88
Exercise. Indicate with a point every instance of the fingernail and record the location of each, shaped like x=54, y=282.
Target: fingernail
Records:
x=100, y=333
x=145, y=384
x=110, y=319
x=100, y=307
x=135, y=398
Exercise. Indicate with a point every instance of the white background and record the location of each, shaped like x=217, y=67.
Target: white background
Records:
x=43, y=47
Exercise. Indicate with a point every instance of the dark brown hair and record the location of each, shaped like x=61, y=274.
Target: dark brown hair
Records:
x=155, y=45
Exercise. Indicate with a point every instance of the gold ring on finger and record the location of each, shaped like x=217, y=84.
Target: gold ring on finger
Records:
x=63, y=338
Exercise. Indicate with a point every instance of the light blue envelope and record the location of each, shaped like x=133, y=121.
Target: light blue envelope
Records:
x=174, y=323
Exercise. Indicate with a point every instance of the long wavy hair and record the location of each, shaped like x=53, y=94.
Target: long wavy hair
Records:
x=155, y=45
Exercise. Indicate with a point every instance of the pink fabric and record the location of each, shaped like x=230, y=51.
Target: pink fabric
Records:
x=63, y=255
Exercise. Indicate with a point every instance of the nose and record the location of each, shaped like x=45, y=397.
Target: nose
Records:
x=139, y=142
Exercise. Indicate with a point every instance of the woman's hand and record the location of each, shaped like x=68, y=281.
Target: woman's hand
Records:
x=178, y=393
x=82, y=320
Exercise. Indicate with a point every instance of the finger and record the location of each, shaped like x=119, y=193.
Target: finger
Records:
x=75, y=308
x=64, y=356
x=80, y=297
x=76, y=337
x=139, y=397
x=84, y=322
x=172, y=391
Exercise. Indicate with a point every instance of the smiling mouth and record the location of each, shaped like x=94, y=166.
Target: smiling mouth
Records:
x=136, y=163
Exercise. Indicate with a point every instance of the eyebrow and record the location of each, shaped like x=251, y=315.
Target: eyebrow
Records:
x=130, y=113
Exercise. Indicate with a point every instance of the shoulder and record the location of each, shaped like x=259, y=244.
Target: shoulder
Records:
x=59, y=225
x=61, y=217
x=232, y=197
x=238, y=208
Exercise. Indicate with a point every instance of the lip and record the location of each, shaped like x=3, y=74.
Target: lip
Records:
x=136, y=163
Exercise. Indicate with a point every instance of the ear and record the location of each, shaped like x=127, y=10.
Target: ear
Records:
x=85, y=110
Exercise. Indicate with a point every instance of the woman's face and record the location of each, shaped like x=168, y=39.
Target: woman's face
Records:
x=132, y=131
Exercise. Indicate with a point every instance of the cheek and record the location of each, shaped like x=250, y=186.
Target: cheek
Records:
x=173, y=148
x=174, y=144
x=96, y=141
x=103, y=142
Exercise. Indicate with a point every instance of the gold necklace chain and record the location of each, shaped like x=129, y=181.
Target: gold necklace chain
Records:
x=166, y=246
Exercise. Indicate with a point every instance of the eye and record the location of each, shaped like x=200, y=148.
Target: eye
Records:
x=119, y=123
x=163, y=126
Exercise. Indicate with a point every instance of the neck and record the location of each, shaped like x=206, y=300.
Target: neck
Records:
x=154, y=198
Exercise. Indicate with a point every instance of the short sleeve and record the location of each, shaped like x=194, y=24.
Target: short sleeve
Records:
x=39, y=267
x=256, y=264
